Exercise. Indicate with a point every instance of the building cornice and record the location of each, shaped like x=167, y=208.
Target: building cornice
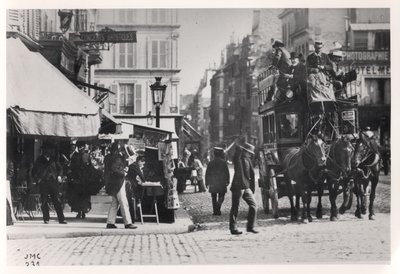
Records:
x=139, y=26
x=127, y=72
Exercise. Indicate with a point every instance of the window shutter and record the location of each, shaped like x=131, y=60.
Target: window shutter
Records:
x=122, y=48
x=112, y=99
x=138, y=99
x=154, y=54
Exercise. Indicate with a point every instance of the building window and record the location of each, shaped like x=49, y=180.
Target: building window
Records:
x=376, y=92
x=126, y=16
x=382, y=40
x=126, y=98
x=158, y=16
x=288, y=126
x=159, y=54
x=360, y=40
x=127, y=56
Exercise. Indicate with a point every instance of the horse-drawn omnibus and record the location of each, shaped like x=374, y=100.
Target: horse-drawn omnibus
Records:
x=286, y=126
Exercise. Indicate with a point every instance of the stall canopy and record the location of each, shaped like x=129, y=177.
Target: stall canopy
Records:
x=41, y=101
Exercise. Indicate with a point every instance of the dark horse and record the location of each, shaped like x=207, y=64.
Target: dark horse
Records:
x=304, y=166
x=338, y=173
x=366, y=167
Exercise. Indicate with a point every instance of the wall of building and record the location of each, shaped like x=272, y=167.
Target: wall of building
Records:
x=136, y=64
x=327, y=25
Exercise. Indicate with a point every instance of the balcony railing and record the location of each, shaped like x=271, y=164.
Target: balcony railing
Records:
x=50, y=36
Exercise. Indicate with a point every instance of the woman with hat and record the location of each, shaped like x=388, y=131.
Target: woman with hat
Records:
x=217, y=179
x=243, y=186
x=80, y=177
x=282, y=62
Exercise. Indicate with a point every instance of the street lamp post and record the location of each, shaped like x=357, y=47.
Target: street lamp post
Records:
x=158, y=93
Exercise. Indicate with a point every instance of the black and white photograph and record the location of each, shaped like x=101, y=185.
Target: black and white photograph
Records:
x=204, y=136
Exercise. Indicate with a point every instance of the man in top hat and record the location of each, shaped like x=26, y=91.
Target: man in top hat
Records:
x=47, y=173
x=115, y=170
x=243, y=186
x=298, y=76
x=318, y=61
x=217, y=179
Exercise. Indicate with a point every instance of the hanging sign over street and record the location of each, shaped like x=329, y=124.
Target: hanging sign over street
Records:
x=107, y=35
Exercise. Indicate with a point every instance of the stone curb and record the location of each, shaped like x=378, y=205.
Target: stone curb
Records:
x=182, y=225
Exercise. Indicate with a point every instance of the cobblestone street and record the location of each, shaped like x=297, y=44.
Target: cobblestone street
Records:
x=348, y=240
x=279, y=241
x=200, y=208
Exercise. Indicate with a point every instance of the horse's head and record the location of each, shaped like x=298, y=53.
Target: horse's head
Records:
x=315, y=148
x=342, y=152
x=365, y=153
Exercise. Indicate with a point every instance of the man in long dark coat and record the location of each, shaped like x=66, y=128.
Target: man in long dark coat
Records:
x=47, y=173
x=243, y=186
x=115, y=170
x=318, y=61
x=217, y=179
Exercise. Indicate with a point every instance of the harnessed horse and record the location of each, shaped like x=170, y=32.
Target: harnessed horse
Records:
x=338, y=172
x=366, y=168
x=304, y=166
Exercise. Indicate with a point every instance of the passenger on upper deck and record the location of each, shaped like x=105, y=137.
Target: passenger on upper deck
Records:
x=318, y=61
x=298, y=76
x=335, y=57
x=282, y=62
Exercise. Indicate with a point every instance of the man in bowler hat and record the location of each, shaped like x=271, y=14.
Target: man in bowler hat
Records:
x=47, y=173
x=217, y=179
x=243, y=186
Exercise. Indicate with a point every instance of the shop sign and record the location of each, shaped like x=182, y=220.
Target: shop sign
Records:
x=371, y=69
x=367, y=55
x=348, y=115
x=138, y=144
x=108, y=36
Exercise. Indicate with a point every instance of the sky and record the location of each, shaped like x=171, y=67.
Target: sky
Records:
x=204, y=33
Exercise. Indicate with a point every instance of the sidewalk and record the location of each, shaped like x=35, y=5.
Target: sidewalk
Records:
x=92, y=225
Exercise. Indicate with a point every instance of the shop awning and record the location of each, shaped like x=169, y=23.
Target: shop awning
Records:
x=372, y=26
x=110, y=124
x=42, y=101
x=189, y=128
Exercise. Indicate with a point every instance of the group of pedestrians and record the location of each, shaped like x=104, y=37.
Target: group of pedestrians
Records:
x=87, y=171
x=242, y=186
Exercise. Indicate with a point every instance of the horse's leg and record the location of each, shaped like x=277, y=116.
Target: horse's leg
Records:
x=298, y=202
x=332, y=198
x=374, y=183
x=293, y=212
x=319, y=206
x=357, y=191
x=309, y=192
x=303, y=194
x=346, y=197
x=364, y=187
